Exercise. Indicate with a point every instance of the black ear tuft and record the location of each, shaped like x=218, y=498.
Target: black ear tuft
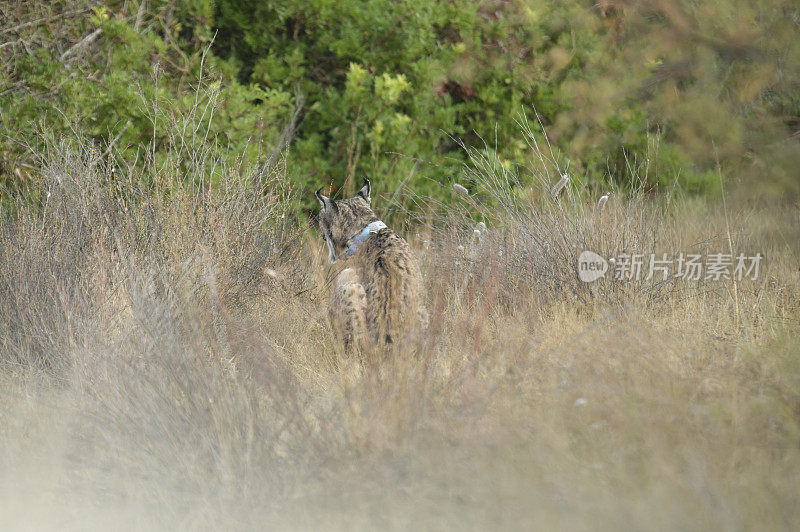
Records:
x=324, y=201
x=365, y=190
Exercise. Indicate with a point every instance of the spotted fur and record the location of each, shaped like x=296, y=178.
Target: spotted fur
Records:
x=377, y=298
x=347, y=312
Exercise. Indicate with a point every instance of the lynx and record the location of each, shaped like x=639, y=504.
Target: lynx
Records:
x=376, y=299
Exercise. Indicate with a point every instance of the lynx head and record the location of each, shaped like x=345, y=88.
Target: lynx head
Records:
x=341, y=220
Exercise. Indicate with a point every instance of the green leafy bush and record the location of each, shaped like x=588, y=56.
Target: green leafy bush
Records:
x=388, y=89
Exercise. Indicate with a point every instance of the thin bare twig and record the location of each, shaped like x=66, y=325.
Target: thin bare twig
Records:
x=139, y=15
x=87, y=40
x=287, y=134
x=45, y=19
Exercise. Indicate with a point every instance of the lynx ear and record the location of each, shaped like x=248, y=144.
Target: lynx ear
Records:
x=364, y=192
x=324, y=201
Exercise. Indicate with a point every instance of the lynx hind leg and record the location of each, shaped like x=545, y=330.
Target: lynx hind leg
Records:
x=396, y=317
x=348, y=310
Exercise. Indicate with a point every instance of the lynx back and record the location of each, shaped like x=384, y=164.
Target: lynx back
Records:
x=376, y=299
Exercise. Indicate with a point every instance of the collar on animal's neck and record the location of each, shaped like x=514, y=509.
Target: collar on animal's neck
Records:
x=358, y=240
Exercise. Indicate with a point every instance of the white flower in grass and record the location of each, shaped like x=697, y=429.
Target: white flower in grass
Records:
x=601, y=203
x=461, y=189
x=558, y=187
x=480, y=226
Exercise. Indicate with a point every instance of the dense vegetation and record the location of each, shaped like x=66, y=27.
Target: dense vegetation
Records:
x=166, y=355
x=676, y=92
x=166, y=362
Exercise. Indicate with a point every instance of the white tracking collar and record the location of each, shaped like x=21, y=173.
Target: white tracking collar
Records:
x=358, y=240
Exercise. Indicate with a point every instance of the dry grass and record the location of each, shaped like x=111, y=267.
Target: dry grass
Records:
x=167, y=363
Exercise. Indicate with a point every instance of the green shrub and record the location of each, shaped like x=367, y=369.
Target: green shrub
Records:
x=389, y=89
